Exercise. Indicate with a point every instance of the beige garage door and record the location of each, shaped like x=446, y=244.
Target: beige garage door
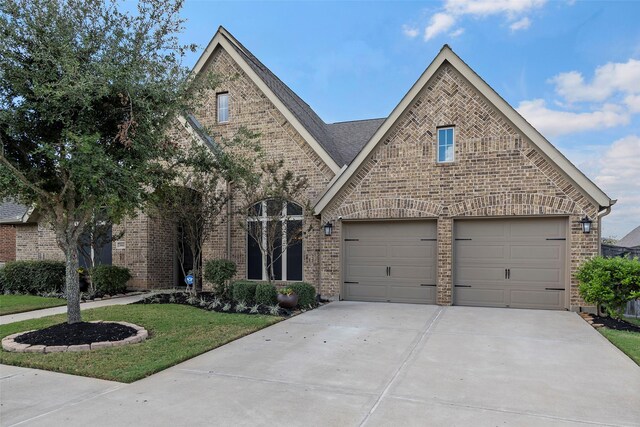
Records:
x=510, y=263
x=390, y=261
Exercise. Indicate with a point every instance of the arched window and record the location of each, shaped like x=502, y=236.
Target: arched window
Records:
x=274, y=227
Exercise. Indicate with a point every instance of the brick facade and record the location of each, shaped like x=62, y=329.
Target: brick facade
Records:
x=7, y=243
x=496, y=173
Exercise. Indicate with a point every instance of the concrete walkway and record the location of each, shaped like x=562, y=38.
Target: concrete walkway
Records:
x=36, y=314
x=352, y=364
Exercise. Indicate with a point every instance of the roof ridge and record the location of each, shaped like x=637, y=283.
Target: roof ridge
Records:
x=357, y=120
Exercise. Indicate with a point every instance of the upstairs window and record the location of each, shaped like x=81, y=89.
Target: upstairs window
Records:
x=445, y=145
x=223, y=107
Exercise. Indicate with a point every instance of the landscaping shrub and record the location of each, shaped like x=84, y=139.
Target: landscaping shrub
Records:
x=34, y=277
x=244, y=290
x=2, y=280
x=266, y=294
x=219, y=272
x=306, y=294
x=110, y=279
x=610, y=283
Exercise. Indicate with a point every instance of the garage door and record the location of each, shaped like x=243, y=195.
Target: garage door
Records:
x=510, y=263
x=390, y=261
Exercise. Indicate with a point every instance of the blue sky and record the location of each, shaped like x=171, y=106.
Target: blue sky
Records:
x=571, y=68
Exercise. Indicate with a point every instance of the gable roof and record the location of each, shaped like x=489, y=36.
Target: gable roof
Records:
x=295, y=110
x=540, y=142
x=351, y=136
x=631, y=240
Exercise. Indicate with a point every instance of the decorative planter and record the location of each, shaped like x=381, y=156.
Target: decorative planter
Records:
x=287, y=301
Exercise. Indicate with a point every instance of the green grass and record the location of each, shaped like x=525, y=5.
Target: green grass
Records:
x=176, y=333
x=628, y=342
x=10, y=304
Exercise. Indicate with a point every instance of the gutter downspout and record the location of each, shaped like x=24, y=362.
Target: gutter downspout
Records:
x=604, y=212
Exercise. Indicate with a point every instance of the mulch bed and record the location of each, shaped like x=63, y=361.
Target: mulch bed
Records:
x=205, y=301
x=77, y=334
x=618, y=325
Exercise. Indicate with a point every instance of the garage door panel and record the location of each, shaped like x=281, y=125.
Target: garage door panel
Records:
x=537, y=299
x=489, y=297
x=406, y=250
x=529, y=253
x=356, y=272
x=532, y=251
x=412, y=293
x=479, y=253
x=367, y=292
x=476, y=274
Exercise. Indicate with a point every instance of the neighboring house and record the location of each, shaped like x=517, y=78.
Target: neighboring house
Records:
x=452, y=199
x=631, y=240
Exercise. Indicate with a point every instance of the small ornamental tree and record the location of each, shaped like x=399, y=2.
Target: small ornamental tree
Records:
x=196, y=198
x=87, y=93
x=265, y=212
x=610, y=283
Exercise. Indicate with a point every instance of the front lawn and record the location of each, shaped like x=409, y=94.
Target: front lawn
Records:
x=10, y=304
x=627, y=341
x=176, y=333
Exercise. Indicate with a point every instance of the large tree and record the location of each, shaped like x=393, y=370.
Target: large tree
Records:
x=88, y=90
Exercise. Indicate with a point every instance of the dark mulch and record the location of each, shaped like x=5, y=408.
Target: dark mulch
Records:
x=619, y=325
x=204, y=301
x=77, y=333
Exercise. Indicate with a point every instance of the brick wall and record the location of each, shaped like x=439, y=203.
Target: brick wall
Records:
x=497, y=172
x=250, y=108
x=7, y=243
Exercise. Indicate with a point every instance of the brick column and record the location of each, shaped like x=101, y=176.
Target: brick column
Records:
x=445, y=256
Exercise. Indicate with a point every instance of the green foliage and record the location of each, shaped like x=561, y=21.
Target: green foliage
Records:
x=34, y=277
x=266, y=294
x=610, y=282
x=306, y=294
x=219, y=272
x=244, y=290
x=2, y=280
x=110, y=279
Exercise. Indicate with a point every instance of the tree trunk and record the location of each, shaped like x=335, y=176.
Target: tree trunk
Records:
x=72, y=284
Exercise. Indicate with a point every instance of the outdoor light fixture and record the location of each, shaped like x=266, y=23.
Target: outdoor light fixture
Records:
x=328, y=228
x=586, y=224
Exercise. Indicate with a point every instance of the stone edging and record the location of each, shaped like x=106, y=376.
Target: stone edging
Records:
x=9, y=343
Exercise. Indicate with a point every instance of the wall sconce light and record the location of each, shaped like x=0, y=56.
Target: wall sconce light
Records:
x=586, y=224
x=328, y=228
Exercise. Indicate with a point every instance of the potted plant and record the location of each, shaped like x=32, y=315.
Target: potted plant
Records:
x=287, y=298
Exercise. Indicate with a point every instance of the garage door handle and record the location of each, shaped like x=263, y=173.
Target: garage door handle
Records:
x=554, y=289
x=463, y=239
x=424, y=284
x=462, y=286
x=354, y=283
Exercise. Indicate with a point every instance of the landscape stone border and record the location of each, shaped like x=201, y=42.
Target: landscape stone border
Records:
x=9, y=343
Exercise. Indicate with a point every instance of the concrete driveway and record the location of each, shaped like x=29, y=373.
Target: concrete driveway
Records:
x=350, y=364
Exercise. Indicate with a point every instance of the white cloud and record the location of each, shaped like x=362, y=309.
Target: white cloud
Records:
x=633, y=102
x=609, y=79
x=439, y=23
x=511, y=8
x=410, y=32
x=521, y=24
x=554, y=122
x=453, y=11
x=617, y=175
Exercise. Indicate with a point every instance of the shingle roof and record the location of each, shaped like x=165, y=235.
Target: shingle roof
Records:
x=334, y=138
x=631, y=240
x=350, y=137
x=11, y=211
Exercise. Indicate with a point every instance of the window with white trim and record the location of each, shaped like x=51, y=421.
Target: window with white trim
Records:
x=223, y=107
x=287, y=263
x=445, y=145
